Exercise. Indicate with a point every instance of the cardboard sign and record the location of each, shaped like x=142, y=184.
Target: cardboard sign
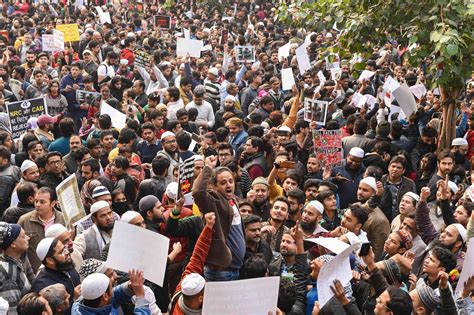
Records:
x=186, y=180
x=53, y=42
x=71, y=32
x=287, y=79
x=86, y=97
x=188, y=46
x=20, y=112
x=69, y=199
x=328, y=146
x=405, y=99
x=244, y=53
x=302, y=57
x=315, y=110
x=119, y=119
x=163, y=21
x=142, y=59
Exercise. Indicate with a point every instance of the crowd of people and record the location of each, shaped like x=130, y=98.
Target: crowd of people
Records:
x=259, y=190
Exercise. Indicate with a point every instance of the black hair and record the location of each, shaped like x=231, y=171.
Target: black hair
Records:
x=360, y=126
x=105, y=122
x=160, y=164
x=446, y=258
x=324, y=194
x=25, y=190
x=105, y=133
x=66, y=125
x=183, y=139
x=298, y=194
x=374, y=171
x=31, y=304
x=174, y=93
x=329, y=184
x=287, y=294
x=222, y=133
x=250, y=219
x=360, y=213
x=93, y=164
x=311, y=183
x=122, y=162
x=254, y=267
x=127, y=135
x=400, y=301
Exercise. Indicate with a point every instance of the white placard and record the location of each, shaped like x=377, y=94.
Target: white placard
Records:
x=69, y=199
x=419, y=90
x=339, y=268
x=284, y=51
x=186, y=46
x=287, y=79
x=130, y=245
x=322, y=78
x=405, y=99
x=333, y=244
x=187, y=33
x=53, y=42
x=366, y=75
x=335, y=73
x=390, y=84
x=252, y=296
x=315, y=110
x=119, y=119
x=244, y=53
x=358, y=100
x=467, y=268
x=303, y=59
x=370, y=100
x=104, y=17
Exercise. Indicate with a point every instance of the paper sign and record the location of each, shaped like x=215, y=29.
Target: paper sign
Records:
x=333, y=244
x=332, y=61
x=287, y=79
x=370, y=100
x=252, y=296
x=186, y=180
x=187, y=33
x=163, y=21
x=118, y=118
x=87, y=97
x=244, y=53
x=104, y=17
x=19, y=113
x=53, y=42
x=69, y=199
x=339, y=268
x=358, y=100
x=328, y=146
x=303, y=59
x=71, y=32
x=188, y=46
x=79, y=3
x=335, y=73
x=284, y=51
x=366, y=75
x=130, y=245
x=15, y=87
x=142, y=59
x=315, y=110
x=467, y=268
x=419, y=90
x=390, y=84
x=322, y=78
x=405, y=99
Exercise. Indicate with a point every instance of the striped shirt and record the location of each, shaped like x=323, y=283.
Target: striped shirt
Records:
x=13, y=282
x=213, y=90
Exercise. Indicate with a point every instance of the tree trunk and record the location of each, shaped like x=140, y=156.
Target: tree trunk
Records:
x=448, y=124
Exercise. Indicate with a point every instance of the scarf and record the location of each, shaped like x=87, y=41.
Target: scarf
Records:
x=186, y=310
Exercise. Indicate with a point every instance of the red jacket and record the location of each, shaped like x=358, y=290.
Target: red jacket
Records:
x=470, y=141
x=127, y=54
x=185, y=212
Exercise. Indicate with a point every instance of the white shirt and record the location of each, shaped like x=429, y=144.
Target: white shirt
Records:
x=205, y=113
x=105, y=70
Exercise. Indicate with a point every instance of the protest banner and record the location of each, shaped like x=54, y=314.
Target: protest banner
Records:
x=315, y=110
x=19, y=113
x=118, y=118
x=188, y=46
x=163, y=21
x=328, y=146
x=284, y=51
x=87, y=97
x=419, y=90
x=142, y=59
x=244, y=53
x=186, y=179
x=104, y=17
x=127, y=253
x=70, y=31
x=69, y=199
x=302, y=58
x=405, y=99
x=251, y=296
x=287, y=79
x=53, y=42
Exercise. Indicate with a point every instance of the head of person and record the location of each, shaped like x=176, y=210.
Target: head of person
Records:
x=223, y=182
x=408, y=203
x=45, y=121
x=97, y=290
x=57, y=297
x=107, y=139
x=312, y=214
x=253, y=145
x=224, y=153
x=260, y=187
x=255, y=266
x=393, y=301
x=398, y=242
x=328, y=199
x=425, y=299
x=354, y=158
x=148, y=132
x=296, y=198
x=133, y=218
x=119, y=166
x=354, y=218
x=29, y=171
x=367, y=188
x=127, y=137
x=313, y=165
x=151, y=208
x=45, y=200
x=253, y=225
x=290, y=182
x=396, y=168
x=26, y=193
x=192, y=288
x=168, y=139
x=54, y=255
x=453, y=237
x=35, y=149
x=235, y=125
x=198, y=165
x=428, y=135
x=101, y=193
x=245, y=208
x=34, y=304
x=287, y=245
x=463, y=213
x=90, y=169
x=310, y=188
x=279, y=210
x=102, y=215
x=445, y=163
x=13, y=239
x=54, y=163
x=62, y=234
x=439, y=259
x=5, y=155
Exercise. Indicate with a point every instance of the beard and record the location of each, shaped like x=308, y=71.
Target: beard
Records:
x=308, y=227
x=64, y=266
x=106, y=227
x=157, y=218
x=287, y=253
x=437, y=243
x=259, y=202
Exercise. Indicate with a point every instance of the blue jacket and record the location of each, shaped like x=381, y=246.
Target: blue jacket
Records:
x=347, y=190
x=72, y=103
x=122, y=294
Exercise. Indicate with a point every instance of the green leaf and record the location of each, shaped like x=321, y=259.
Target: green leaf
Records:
x=435, y=36
x=444, y=39
x=452, y=49
x=413, y=39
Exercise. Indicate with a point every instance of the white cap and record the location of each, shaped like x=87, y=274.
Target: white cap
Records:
x=198, y=157
x=43, y=247
x=172, y=190
x=462, y=231
x=167, y=134
x=317, y=205
x=123, y=61
x=3, y=306
x=412, y=195
x=328, y=35
x=352, y=238
x=55, y=230
x=27, y=164
x=128, y=216
x=99, y=205
x=357, y=152
x=214, y=71
x=369, y=181
x=285, y=128
x=459, y=141
x=230, y=98
x=94, y=286
x=454, y=188
x=192, y=284
x=206, y=30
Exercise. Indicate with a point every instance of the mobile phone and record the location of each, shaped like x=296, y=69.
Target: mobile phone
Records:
x=364, y=249
x=288, y=164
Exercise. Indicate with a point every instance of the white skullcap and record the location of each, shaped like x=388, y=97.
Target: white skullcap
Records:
x=198, y=157
x=462, y=231
x=94, y=286
x=454, y=188
x=172, y=190
x=357, y=152
x=3, y=306
x=167, y=134
x=328, y=35
x=317, y=205
x=55, y=230
x=352, y=238
x=459, y=141
x=123, y=61
x=230, y=98
x=369, y=181
x=285, y=128
x=206, y=30
x=192, y=284
x=96, y=206
x=43, y=247
x=27, y=164
x=413, y=195
x=130, y=34
x=129, y=216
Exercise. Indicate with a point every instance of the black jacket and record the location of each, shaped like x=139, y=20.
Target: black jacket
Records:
x=52, y=181
x=12, y=214
x=155, y=186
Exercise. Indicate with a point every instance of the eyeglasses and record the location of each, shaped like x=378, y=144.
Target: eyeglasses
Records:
x=55, y=162
x=170, y=142
x=379, y=301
